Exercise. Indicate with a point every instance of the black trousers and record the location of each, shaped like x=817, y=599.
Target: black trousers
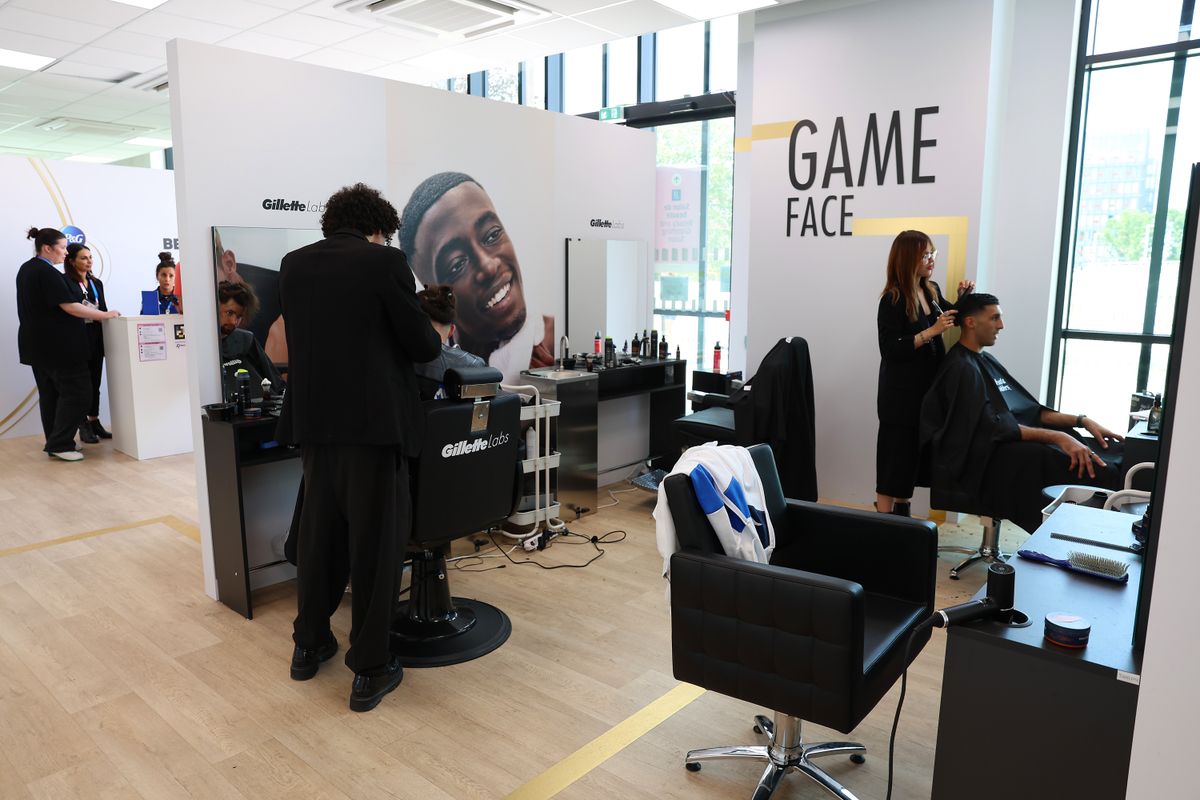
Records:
x=900, y=464
x=63, y=396
x=1018, y=471
x=355, y=523
x=95, y=365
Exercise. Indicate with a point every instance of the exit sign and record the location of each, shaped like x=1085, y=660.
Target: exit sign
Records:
x=612, y=113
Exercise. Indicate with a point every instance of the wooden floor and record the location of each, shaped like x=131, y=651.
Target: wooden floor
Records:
x=120, y=678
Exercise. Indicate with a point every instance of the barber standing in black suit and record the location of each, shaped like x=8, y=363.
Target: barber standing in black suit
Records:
x=352, y=404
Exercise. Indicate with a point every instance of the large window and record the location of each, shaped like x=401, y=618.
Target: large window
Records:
x=1138, y=130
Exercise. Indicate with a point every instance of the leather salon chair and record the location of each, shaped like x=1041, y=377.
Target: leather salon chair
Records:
x=820, y=634
x=464, y=481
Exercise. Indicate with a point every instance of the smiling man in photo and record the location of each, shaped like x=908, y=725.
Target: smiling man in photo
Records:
x=452, y=234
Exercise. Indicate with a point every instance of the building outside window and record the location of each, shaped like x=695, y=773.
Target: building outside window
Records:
x=502, y=83
x=1138, y=133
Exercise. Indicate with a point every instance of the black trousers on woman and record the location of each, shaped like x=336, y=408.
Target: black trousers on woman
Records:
x=63, y=394
x=95, y=365
x=354, y=524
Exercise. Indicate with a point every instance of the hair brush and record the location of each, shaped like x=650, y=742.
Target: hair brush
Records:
x=1110, y=569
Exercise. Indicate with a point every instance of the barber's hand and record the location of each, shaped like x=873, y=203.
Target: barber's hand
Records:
x=944, y=322
x=1100, y=433
x=965, y=287
x=1082, y=457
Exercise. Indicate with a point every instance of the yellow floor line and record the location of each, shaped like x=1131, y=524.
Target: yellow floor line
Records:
x=606, y=745
x=173, y=522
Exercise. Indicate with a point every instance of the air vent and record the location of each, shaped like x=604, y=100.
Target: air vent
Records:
x=446, y=19
x=64, y=126
x=153, y=81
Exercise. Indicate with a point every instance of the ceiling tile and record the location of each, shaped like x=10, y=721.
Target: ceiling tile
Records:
x=255, y=42
x=340, y=59
x=388, y=46
x=562, y=34
x=31, y=153
x=286, y=5
x=65, y=84
x=314, y=30
x=234, y=13
x=170, y=26
x=634, y=18
x=104, y=57
x=157, y=118
x=89, y=109
x=475, y=55
x=96, y=12
x=410, y=74
x=124, y=41
x=38, y=45
x=569, y=7
x=36, y=24
x=78, y=69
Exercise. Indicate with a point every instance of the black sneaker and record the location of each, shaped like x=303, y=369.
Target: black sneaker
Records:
x=86, y=434
x=99, y=430
x=368, y=690
x=306, y=662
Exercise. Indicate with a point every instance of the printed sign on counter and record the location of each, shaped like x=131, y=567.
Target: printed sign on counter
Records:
x=152, y=341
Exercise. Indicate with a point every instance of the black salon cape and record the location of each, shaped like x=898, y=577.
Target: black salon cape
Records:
x=963, y=419
x=782, y=402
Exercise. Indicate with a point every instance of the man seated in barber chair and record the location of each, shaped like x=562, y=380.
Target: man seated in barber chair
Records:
x=993, y=446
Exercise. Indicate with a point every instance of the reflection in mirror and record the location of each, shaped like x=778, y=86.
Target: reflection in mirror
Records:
x=608, y=290
x=248, y=312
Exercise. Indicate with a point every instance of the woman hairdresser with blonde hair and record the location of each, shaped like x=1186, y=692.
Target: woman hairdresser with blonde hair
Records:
x=913, y=314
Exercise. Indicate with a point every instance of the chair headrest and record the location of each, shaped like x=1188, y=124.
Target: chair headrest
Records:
x=464, y=382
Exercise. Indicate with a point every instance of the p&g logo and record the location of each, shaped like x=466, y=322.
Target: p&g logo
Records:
x=74, y=235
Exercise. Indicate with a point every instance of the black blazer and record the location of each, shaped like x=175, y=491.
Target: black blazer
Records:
x=354, y=329
x=905, y=372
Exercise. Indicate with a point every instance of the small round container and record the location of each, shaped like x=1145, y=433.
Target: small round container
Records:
x=219, y=412
x=1067, y=630
x=254, y=412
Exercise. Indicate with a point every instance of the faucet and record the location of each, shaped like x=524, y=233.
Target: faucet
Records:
x=564, y=346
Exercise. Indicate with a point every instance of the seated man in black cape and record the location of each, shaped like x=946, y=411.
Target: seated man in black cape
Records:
x=993, y=446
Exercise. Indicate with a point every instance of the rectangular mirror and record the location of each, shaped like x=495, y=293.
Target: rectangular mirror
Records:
x=608, y=290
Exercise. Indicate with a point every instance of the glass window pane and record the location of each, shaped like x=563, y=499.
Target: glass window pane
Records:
x=1098, y=378
x=502, y=83
x=622, y=72
x=582, y=79
x=1156, y=382
x=535, y=82
x=1124, y=25
x=1118, y=185
x=723, y=54
x=459, y=84
x=1187, y=152
x=679, y=62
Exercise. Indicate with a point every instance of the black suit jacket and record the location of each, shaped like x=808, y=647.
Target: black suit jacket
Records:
x=354, y=329
x=785, y=417
x=905, y=372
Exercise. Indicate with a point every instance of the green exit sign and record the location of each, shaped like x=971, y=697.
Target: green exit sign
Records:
x=612, y=113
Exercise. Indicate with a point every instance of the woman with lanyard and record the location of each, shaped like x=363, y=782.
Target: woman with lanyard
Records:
x=912, y=317
x=168, y=301
x=78, y=270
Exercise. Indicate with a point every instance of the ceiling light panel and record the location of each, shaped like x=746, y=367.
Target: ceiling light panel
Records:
x=37, y=24
x=25, y=61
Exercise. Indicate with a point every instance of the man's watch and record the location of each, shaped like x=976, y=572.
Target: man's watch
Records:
x=1079, y=420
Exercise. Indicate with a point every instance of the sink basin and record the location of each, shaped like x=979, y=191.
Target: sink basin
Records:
x=550, y=373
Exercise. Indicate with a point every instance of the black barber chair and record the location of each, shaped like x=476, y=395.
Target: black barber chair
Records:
x=464, y=481
x=779, y=412
x=820, y=634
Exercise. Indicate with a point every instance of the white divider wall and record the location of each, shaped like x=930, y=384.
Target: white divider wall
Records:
x=127, y=216
x=298, y=132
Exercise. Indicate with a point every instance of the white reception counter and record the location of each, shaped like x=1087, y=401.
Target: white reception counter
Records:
x=148, y=385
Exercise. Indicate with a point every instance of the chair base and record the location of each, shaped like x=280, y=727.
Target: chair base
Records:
x=784, y=753
x=480, y=628
x=988, y=550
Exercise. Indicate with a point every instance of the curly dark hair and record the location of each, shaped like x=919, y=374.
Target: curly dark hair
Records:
x=240, y=293
x=437, y=300
x=360, y=208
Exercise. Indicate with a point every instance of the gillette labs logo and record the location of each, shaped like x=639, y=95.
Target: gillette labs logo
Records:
x=463, y=447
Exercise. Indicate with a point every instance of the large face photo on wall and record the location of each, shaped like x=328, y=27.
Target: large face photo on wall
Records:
x=453, y=234
x=250, y=324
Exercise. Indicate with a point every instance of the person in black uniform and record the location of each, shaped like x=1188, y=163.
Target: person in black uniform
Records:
x=439, y=304
x=237, y=304
x=356, y=412
x=78, y=271
x=51, y=340
x=912, y=316
x=168, y=301
x=992, y=443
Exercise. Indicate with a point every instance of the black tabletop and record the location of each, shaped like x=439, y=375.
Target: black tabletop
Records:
x=1041, y=588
